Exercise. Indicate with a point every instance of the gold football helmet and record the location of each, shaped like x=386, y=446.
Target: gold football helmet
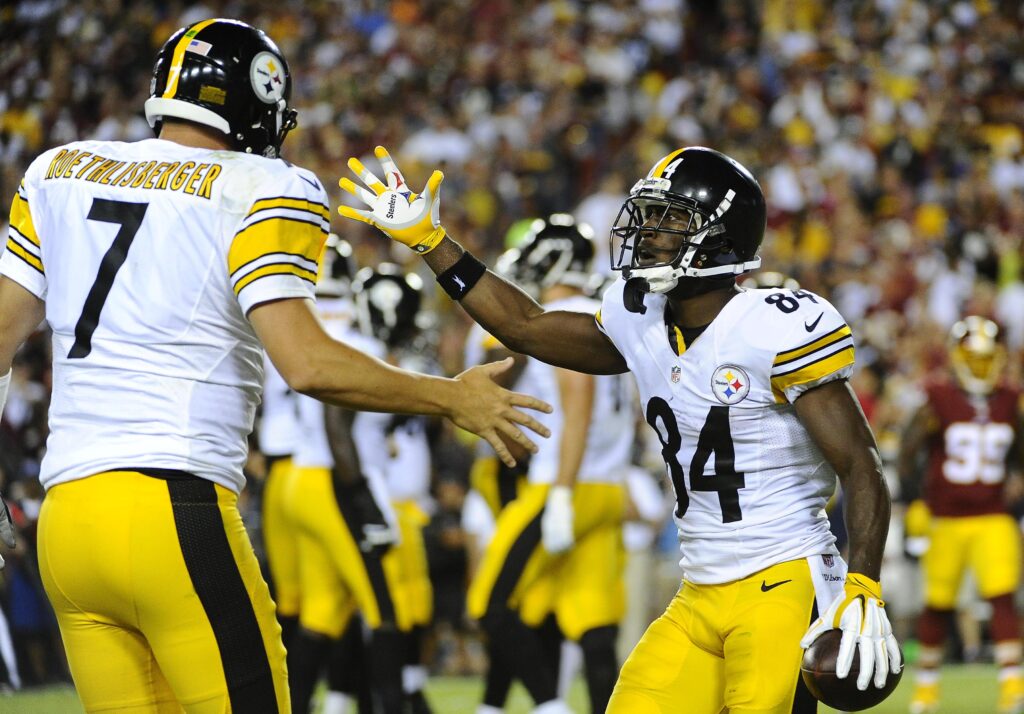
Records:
x=977, y=354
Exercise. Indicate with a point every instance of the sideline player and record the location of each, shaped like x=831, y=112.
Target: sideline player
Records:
x=387, y=306
x=337, y=506
x=278, y=434
x=966, y=431
x=161, y=266
x=748, y=394
x=565, y=525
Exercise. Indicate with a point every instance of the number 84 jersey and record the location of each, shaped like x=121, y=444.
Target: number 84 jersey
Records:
x=751, y=485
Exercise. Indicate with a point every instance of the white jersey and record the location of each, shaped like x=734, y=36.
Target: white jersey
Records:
x=612, y=431
x=750, y=483
x=398, y=446
x=149, y=256
x=279, y=419
x=313, y=449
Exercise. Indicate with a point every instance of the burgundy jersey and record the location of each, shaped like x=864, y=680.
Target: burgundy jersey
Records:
x=967, y=457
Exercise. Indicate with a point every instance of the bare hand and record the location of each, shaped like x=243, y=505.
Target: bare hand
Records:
x=491, y=412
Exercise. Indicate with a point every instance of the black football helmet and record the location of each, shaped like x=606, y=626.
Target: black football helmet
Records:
x=337, y=268
x=556, y=251
x=718, y=214
x=387, y=303
x=226, y=75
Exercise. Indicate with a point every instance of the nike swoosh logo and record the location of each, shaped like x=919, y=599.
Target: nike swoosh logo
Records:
x=810, y=328
x=765, y=587
x=314, y=183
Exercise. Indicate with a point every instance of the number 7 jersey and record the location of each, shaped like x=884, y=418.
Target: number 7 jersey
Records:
x=751, y=485
x=149, y=255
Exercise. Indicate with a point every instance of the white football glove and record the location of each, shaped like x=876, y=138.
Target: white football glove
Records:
x=409, y=218
x=556, y=523
x=859, y=612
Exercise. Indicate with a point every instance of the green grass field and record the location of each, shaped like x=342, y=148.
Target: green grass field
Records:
x=966, y=690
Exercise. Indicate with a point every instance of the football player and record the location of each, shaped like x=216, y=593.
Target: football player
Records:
x=163, y=268
x=278, y=433
x=338, y=506
x=387, y=305
x=565, y=525
x=953, y=470
x=748, y=394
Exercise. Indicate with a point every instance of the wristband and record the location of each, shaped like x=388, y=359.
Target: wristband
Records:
x=5, y=382
x=461, y=277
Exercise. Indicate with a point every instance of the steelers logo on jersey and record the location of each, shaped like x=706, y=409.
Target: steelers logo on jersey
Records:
x=267, y=75
x=730, y=384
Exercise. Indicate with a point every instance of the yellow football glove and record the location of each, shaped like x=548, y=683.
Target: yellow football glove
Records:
x=859, y=612
x=409, y=218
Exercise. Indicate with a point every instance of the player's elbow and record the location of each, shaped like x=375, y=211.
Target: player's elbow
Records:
x=303, y=377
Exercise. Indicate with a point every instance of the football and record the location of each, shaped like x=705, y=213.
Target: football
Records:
x=818, y=670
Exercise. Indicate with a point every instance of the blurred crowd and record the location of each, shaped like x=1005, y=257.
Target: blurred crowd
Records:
x=886, y=134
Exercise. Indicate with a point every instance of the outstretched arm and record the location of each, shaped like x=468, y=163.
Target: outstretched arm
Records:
x=315, y=364
x=564, y=339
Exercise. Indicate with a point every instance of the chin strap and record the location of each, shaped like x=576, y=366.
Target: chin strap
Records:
x=633, y=295
x=5, y=383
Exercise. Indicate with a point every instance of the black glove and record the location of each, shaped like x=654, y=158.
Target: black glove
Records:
x=365, y=518
x=6, y=528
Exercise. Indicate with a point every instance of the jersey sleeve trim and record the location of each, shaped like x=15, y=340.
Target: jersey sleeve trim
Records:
x=15, y=248
x=297, y=205
x=818, y=344
x=831, y=365
x=273, y=269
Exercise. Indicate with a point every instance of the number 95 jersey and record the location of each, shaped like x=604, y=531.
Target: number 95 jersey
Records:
x=149, y=255
x=750, y=484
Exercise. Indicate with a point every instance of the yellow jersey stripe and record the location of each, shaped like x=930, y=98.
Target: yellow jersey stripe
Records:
x=275, y=269
x=276, y=235
x=680, y=342
x=17, y=250
x=179, y=55
x=815, y=370
x=597, y=316
x=301, y=204
x=663, y=164
x=813, y=346
x=21, y=220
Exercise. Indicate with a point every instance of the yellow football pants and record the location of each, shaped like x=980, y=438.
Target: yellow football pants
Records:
x=732, y=647
x=159, y=596
x=336, y=577
x=279, y=541
x=989, y=545
x=586, y=589
x=413, y=588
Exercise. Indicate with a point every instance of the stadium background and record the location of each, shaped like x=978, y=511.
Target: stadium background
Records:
x=887, y=136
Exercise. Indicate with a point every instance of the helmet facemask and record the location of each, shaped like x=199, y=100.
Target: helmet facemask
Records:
x=663, y=237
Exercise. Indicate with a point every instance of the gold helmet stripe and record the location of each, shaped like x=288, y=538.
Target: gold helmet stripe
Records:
x=663, y=164
x=179, y=55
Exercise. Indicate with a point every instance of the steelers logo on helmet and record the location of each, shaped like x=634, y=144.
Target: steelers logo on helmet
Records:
x=268, y=77
x=730, y=384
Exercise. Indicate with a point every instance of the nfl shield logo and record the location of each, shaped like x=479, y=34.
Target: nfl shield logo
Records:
x=675, y=374
x=827, y=560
